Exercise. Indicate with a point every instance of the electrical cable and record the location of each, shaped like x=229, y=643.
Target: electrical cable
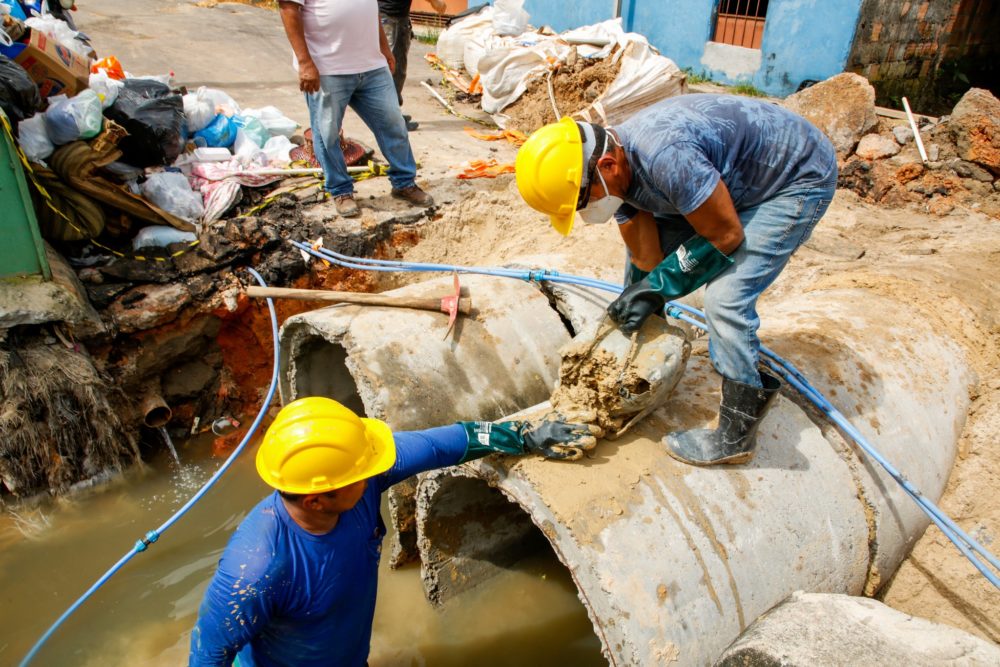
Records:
x=683, y=312
x=153, y=535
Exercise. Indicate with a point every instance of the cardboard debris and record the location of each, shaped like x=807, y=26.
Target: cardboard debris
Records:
x=55, y=69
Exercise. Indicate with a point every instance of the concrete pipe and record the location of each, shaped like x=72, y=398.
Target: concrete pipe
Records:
x=396, y=364
x=672, y=561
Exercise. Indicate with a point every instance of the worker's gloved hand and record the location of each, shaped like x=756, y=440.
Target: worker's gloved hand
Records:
x=556, y=439
x=552, y=438
x=634, y=306
x=694, y=263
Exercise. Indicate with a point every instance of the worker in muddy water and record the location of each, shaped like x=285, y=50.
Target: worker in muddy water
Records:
x=344, y=59
x=296, y=584
x=713, y=190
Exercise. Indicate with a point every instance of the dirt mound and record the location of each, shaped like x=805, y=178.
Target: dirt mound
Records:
x=575, y=86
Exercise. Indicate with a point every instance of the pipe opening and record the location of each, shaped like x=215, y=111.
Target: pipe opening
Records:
x=477, y=545
x=154, y=410
x=321, y=370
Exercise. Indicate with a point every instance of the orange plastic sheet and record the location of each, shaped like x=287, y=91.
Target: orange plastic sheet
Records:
x=455, y=77
x=109, y=65
x=486, y=169
x=511, y=136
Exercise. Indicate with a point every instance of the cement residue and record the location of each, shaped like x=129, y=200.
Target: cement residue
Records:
x=588, y=388
x=612, y=381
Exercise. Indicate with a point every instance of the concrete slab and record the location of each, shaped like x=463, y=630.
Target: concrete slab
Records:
x=25, y=301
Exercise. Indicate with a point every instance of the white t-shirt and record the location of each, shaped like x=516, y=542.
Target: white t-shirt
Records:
x=342, y=35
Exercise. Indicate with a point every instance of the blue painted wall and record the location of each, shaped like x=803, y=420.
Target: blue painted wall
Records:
x=803, y=39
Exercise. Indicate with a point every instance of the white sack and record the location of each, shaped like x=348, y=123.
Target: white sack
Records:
x=644, y=79
x=451, y=42
x=509, y=17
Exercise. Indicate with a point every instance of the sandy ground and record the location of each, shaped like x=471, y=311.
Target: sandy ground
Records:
x=943, y=265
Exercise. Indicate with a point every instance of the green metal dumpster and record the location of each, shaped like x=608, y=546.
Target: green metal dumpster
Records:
x=21, y=250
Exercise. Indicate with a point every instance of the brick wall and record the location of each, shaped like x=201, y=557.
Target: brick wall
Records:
x=928, y=50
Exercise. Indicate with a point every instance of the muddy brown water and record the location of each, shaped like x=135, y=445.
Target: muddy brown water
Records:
x=143, y=615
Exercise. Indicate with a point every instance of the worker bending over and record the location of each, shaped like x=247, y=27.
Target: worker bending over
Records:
x=713, y=190
x=296, y=584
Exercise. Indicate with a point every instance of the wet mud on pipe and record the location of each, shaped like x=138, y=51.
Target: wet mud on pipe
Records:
x=673, y=562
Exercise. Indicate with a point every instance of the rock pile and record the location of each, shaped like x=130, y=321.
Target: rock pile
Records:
x=879, y=158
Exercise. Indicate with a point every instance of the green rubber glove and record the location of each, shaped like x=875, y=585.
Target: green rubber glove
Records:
x=635, y=274
x=694, y=263
x=553, y=439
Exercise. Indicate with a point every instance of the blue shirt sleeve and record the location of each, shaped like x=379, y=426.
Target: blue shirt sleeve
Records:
x=238, y=602
x=419, y=451
x=685, y=175
x=625, y=213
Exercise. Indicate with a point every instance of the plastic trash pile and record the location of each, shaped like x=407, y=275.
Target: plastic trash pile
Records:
x=186, y=154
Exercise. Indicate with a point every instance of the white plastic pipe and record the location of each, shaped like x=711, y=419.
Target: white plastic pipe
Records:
x=916, y=132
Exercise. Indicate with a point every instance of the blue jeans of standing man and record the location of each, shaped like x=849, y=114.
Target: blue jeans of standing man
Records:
x=773, y=231
x=372, y=95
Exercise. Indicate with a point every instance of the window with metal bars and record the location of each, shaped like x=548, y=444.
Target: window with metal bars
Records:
x=740, y=22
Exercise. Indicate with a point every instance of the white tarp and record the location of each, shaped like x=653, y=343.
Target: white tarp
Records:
x=506, y=65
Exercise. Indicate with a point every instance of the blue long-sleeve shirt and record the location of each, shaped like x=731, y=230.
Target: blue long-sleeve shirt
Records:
x=283, y=596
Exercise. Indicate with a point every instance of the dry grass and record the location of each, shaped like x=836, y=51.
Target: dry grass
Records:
x=57, y=425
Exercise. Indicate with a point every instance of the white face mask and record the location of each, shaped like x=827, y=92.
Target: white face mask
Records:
x=599, y=211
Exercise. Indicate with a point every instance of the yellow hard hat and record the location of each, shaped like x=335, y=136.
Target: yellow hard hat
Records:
x=549, y=170
x=317, y=445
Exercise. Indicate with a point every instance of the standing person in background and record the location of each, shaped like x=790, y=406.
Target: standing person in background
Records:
x=344, y=60
x=395, y=18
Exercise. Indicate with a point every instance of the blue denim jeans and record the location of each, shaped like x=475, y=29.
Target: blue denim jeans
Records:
x=773, y=232
x=372, y=95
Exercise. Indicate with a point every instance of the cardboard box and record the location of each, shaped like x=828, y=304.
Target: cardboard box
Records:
x=55, y=69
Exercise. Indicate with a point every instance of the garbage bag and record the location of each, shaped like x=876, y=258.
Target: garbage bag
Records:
x=171, y=191
x=111, y=66
x=220, y=100
x=199, y=112
x=70, y=118
x=160, y=236
x=220, y=133
x=154, y=119
x=19, y=96
x=253, y=129
x=105, y=86
x=509, y=17
x=278, y=150
x=273, y=120
x=34, y=138
x=60, y=31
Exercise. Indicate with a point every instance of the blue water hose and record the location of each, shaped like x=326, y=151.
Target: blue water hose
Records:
x=153, y=535
x=963, y=541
